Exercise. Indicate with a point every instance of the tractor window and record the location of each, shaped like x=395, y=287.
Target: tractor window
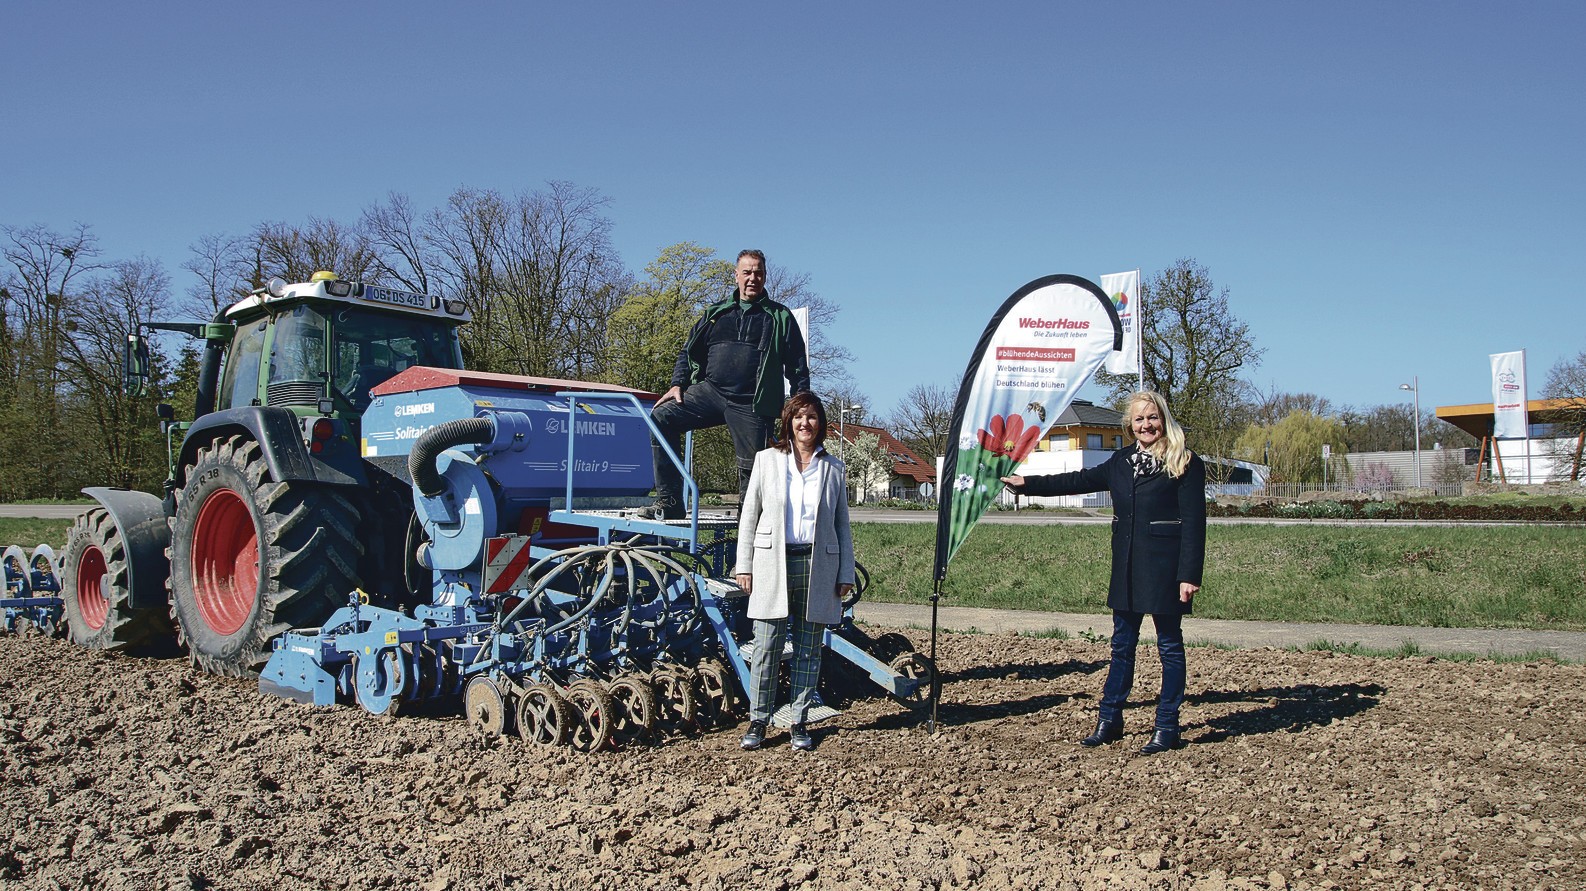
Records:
x=240, y=387
x=372, y=347
x=297, y=358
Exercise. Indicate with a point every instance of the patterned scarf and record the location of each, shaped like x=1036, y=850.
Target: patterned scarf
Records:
x=1145, y=464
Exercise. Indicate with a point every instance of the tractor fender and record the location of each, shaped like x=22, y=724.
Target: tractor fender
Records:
x=140, y=518
x=279, y=434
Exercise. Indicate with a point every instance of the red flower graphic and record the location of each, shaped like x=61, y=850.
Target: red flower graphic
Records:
x=1009, y=437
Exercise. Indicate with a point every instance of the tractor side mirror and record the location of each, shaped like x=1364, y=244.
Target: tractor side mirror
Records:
x=135, y=366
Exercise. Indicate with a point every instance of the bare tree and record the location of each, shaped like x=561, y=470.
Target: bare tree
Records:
x=829, y=361
x=38, y=286
x=297, y=252
x=923, y=417
x=1193, y=351
x=126, y=450
x=404, y=252
x=223, y=266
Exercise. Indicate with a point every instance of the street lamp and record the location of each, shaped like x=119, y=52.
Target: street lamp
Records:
x=1416, y=388
x=842, y=413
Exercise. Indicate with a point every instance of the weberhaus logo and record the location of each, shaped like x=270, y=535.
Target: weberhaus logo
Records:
x=1078, y=324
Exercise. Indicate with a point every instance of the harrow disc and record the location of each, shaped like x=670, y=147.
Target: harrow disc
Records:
x=485, y=707
x=635, y=713
x=715, y=693
x=592, y=715
x=544, y=717
x=920, y=668
x=676, y=708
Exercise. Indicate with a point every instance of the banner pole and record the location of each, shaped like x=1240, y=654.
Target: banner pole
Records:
x=936, y=687
x=1139, y=320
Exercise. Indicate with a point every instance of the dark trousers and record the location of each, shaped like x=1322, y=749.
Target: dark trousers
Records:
x=704, y=406
x=1120, y=675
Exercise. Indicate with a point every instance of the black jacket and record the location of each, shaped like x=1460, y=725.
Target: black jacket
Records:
x=1158, y=528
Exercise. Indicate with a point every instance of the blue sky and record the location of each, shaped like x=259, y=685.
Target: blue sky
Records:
x=1386, y=189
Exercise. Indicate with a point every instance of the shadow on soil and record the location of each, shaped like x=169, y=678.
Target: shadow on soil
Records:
x=959, y=713
x=1288, y=709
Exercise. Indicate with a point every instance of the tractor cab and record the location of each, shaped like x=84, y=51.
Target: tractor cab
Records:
x=315, y=348
x=318, y=348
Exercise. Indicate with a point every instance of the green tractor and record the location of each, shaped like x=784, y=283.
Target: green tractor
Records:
x=272, y=514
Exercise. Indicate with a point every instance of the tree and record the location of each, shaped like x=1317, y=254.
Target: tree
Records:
x=645, y=334
x=39, y=288
x=223, y=264
x=126, y=449
x=1193, y=350
x=1566, y=382
x=829, y=361
x=1291, y=448
x=295, y=253
x=869, y=465
x=923, y=416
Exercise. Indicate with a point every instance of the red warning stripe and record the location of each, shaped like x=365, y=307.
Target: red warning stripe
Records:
x=507, y=562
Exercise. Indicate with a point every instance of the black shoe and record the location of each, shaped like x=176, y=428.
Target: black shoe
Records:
x=754, y=737
x=1161, y=741
x=1106, y=732
x=802, y=741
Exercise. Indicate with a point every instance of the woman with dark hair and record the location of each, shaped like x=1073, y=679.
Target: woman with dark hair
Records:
x=795, y=561
x=1158, y=550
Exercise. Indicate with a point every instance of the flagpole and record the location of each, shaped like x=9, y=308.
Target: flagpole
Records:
x=936, y=687
x=1139, y=320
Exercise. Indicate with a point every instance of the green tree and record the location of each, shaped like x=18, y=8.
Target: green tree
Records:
x=869, y=466
x=1292, y=447
x=1193, y=351
x=645, y=334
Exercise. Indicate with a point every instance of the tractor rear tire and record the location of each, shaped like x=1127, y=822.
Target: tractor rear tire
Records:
x=252, y=558
x=97, y=588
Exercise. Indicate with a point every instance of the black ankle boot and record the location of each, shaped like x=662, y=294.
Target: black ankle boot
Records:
x=1161, y=741
x=1106, y=732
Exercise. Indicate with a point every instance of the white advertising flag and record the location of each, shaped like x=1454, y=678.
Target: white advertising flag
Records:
x=1508, y=395
x=1123, y=289
x=801, y=315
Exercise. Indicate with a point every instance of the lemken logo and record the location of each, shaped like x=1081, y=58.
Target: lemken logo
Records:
x=1027, y=322
x=423, y=408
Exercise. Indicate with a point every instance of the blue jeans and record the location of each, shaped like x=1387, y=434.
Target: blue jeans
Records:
x=1120, y=675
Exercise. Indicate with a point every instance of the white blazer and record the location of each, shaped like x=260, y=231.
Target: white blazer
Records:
x=762, y=537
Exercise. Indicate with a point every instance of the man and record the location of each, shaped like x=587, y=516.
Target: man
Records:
x=730, y=371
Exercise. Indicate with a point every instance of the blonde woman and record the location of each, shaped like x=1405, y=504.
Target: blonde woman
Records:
x=1158, y=550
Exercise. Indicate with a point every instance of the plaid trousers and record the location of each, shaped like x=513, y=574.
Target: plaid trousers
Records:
x=769, y=634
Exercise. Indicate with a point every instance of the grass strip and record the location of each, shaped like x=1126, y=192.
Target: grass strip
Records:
x=1437, y=576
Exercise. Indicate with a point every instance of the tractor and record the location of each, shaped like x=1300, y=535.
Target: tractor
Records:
x=271, y=513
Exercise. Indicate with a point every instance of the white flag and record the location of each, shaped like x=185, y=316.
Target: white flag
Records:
x=801, y=315
x=1509, y=419
x=1123, y=289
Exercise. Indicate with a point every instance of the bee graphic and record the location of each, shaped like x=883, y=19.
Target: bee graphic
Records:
x=1039, y=409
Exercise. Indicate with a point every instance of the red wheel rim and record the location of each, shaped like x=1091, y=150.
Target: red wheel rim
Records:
x=225, y=562
x=91, y=601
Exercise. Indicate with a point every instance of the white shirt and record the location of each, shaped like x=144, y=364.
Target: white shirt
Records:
x=803, y=497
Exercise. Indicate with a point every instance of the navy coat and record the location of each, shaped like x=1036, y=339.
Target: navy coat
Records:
x=1158, y=528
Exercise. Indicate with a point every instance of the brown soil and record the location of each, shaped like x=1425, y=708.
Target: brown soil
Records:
x=1303, y=770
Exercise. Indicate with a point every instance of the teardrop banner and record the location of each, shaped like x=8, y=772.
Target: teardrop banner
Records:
x=1037, y=351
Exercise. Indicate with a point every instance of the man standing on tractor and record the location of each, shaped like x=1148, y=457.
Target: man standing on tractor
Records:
x=730, y=371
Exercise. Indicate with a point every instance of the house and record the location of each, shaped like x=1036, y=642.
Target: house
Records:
x=906, y=474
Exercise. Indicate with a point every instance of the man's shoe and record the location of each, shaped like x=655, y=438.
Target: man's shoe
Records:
x=754, y=737
x=1161, y=741
x=802, y=741
x=651, y=512
x=1106, y=732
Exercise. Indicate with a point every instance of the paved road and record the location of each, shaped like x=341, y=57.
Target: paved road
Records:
x=1566, y=645
x=43, y=511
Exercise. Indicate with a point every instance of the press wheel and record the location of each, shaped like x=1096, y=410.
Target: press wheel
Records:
x=485, y=707
x=592, y=715
x=544, y=717
x=676, y=706
x=635, y=713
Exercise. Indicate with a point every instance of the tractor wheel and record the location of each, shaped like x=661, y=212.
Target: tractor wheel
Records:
x=252, y=558
x=96, y=589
